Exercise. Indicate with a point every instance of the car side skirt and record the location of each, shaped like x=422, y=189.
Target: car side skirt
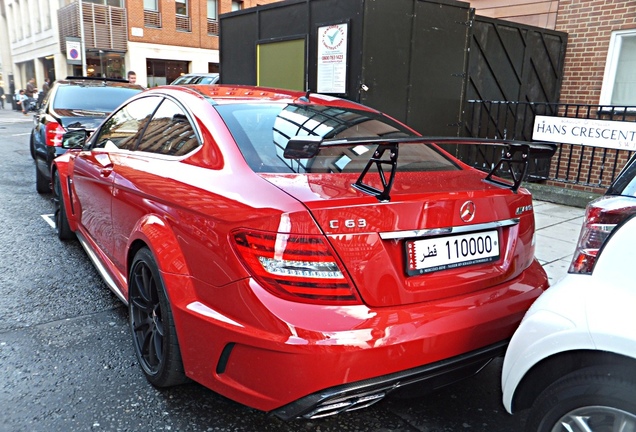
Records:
x=108, y=279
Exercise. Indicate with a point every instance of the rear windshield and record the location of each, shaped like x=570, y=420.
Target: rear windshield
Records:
x=95, y=99
x=196, y=79
x=263, y=130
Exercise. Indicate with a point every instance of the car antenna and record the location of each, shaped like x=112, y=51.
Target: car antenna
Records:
x=306, y=97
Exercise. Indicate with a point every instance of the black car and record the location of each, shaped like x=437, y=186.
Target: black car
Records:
x=72, y=103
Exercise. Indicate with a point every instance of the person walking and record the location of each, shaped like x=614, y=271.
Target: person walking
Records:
x=2, y=97
x=29, y=92
x=45, y=90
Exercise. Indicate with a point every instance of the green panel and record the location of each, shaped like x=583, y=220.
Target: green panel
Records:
x=281, y=64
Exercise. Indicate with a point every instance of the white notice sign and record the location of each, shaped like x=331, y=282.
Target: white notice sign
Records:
x=598, y=133
x=332, y=59
x=73, y=50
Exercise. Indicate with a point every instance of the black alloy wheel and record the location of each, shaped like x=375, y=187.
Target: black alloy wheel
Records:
x=152, y=324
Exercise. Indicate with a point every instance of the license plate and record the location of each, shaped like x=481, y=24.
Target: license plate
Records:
x=449, y=252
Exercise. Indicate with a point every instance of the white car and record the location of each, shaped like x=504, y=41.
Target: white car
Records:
x=572, y=361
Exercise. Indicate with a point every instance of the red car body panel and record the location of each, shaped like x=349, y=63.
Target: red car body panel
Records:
x=186, y=210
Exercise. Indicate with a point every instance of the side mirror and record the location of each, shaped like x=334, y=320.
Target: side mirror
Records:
x=74, y=139
x=302, y=147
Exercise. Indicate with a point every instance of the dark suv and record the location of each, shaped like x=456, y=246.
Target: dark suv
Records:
x=72, y=103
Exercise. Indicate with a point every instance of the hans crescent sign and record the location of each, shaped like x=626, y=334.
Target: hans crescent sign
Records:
x=598, y=133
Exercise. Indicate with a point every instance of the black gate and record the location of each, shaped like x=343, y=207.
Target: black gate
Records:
x=417, y=60
x=509, y=62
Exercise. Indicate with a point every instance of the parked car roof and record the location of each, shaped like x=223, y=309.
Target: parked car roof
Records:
x=197, y=78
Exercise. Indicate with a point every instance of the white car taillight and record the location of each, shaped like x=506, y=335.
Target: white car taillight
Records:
x=601, y=217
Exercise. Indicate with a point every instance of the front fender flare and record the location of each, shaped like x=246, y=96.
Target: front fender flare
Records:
x=61, y=165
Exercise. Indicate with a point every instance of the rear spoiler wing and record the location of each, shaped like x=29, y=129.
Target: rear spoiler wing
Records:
x=516, y=154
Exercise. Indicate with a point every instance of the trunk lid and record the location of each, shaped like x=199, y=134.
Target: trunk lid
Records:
x=374, y=239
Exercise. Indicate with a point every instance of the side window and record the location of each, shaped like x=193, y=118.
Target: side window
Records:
x=123, y=129
x=169, y=132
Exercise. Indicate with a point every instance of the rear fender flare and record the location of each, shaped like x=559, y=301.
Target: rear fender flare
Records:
x=152, y=231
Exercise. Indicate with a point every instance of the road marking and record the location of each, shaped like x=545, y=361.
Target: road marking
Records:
x=49, y=219
x=22, y=134
x=20, y=120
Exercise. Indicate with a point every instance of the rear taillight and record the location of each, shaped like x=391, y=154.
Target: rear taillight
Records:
x=54, y=132
x=601, y=217
x=295, y=267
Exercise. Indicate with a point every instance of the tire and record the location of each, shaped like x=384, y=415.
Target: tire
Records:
x=62, y=228
x=152, y=324
x=42, y=184
x=592, y=399
x=32, y=147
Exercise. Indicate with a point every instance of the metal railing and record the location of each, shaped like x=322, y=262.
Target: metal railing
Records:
x=152, y=19
x=573, y=164
x=213, y=27
x=183, y=23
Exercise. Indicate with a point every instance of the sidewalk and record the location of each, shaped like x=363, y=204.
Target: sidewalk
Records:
x=8, y=115
x=558, y=228
x=557, y=225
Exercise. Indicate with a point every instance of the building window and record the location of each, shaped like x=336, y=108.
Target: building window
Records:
x=152, y=16
x=619, y=80
x=181, y=7
x=212, y=9
x=162, y=72
x=151, y=5
x=237, y=5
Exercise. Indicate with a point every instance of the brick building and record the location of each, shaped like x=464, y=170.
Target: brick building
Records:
x=167, y=38
x=600, y=62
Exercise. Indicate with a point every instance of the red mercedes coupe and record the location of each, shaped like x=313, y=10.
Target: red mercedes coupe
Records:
x=298, y=253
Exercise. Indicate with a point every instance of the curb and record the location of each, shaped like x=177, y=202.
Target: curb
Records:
x=560, y=195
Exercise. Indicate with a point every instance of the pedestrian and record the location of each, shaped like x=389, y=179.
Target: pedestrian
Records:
x=23, y=101
x=30, y=88
x=45, y=90
x=30, y=93
x=46, y=87
x=2, y=96
x=132, y=77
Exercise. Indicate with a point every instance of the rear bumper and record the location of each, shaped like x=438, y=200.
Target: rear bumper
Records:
x=349, y=397
x=296, y=359
x=44, y=160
